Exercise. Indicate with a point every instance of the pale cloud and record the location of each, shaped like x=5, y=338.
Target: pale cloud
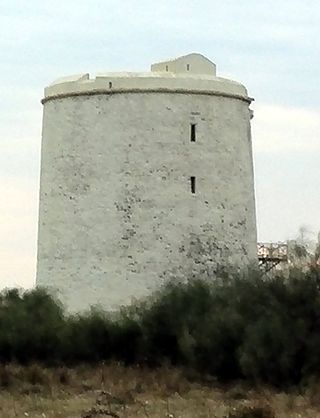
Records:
x=18, y=231
x=280, y=129
x=17, y=269
x=286, y=143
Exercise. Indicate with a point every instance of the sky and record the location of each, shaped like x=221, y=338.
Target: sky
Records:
x=271, y=46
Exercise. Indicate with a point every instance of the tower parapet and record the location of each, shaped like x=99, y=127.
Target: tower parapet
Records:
x=200, y=78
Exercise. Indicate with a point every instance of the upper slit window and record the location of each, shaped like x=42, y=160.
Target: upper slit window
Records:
x=193, y=132
x=193, y=184
x=188, y=67
x=167, y=68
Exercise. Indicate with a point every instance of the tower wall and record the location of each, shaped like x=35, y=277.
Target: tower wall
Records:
x=117, y=212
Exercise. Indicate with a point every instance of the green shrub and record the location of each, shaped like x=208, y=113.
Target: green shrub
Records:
x=234, y=326
x=30, y=326
x=127, y=337
x=86, y=338
x=244, y=326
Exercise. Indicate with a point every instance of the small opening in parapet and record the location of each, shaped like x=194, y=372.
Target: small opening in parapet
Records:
x=188, y=67
x=167, y=68
x=193, y=132
x=110, y=85
x=193, y=184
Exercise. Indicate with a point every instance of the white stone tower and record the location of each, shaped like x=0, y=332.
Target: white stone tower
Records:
x=144, y=177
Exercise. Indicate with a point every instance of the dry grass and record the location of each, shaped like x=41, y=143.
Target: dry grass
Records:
x=116, y=391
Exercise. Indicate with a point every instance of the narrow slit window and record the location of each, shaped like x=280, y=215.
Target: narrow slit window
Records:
x=167, y=68
x=193, y=184
x=110, y=85
x=188, y=67
x=193, y=132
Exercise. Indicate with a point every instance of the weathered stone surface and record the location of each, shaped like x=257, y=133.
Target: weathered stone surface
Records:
x=117, y=216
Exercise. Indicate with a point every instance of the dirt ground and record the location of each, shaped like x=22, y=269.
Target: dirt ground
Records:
x=121, y=392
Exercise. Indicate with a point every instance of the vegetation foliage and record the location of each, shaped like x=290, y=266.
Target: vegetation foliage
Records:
x=237, y=326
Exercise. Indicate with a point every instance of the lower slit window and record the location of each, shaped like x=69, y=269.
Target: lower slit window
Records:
x=193, y=184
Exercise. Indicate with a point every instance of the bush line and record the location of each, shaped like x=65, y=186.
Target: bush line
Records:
x=237, y=326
